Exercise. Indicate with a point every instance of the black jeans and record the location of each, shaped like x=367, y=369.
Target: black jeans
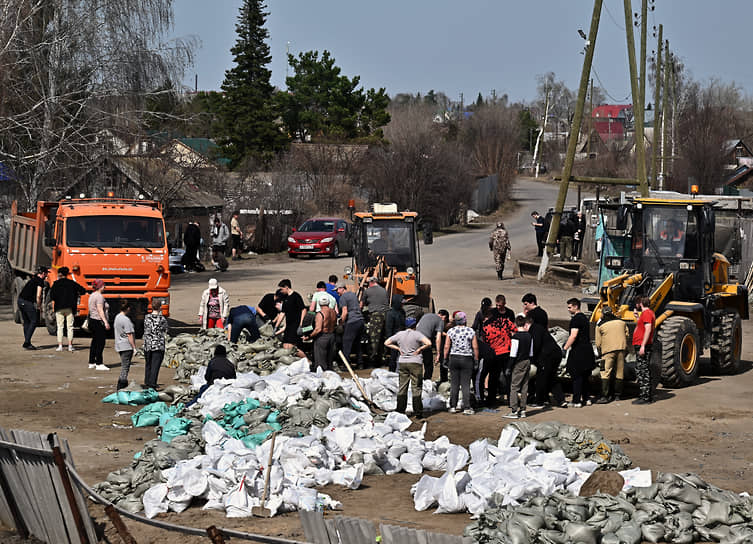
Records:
x=324, y=350
x=352, y=338
x=580, y=387
x=248, y=322
x=98, y=332
x=491, y=367
x=29, y=314
x=428, y=360
x=151, y=370
x=547, y=365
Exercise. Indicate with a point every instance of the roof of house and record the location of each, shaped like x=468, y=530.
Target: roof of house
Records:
x=616, y=111
x=205, y=147
x=742, y=173
x=729, y=146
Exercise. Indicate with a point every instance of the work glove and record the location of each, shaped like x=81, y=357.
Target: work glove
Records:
x=564, y=353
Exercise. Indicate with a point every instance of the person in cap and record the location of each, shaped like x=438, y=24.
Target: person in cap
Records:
x=351, y=319
x=612, y=338
x=461, y=348
x=409, y=343
x=30, y=302
x=64, y=295
x=376, y=301
x=322, y=297
x=499, y=245
x=99, y=324
x=214, y=307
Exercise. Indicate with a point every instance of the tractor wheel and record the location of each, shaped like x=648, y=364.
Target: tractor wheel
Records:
x=727, y=344
x=680, y=349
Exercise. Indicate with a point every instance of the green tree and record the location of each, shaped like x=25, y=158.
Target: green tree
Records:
x=247, y=116
x=528, y=127
x=322, y=103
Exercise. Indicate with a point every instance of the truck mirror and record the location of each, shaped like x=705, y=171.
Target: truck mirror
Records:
x=428, y=233
x=622, y=217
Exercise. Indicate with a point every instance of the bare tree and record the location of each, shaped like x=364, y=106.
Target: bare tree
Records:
x=74, y=75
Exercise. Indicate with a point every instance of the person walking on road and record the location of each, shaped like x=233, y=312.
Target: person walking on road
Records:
x=409, y=343
x=376, y=301
x=192, y=241
x=99, y=324
x=499, y=245
x=611, y=337
x=538, y=227
x=220, y=235
x=643, y=338
x=521, y=353
x=155, y=329
x=580, y=360
x=461, y=348
x=351, y=319
x=30, y=302
x=237, y=235
x=64, y=295
x=125, y=345
x=214, y=306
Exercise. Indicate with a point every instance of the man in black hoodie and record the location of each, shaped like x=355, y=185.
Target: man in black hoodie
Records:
x=394, y=322
x=64, y=295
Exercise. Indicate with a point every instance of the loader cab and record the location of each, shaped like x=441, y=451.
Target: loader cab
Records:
x=393, y=239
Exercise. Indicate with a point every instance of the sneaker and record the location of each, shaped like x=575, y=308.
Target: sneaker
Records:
x=535, y=405
x=102, y=367
x=453, y=410
x=603, y=400
x=564, y=404
x=574, y=405
x=92, y=366
x=59, y=348
x=617, y=397
x=522, y=414
x=469, y=411
x=588, y=402
x=642, y=401
x=30, y=347
x=511, y=415
x=71, y=349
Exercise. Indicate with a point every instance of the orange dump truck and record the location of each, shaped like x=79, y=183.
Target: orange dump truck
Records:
x=120, y=241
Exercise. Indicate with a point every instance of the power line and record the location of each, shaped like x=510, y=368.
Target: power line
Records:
x=604, y=89
x=613, y=19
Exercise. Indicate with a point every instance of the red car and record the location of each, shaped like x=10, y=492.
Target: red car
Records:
x=321, y=236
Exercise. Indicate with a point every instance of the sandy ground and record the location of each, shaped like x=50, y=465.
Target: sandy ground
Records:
x=704, y=429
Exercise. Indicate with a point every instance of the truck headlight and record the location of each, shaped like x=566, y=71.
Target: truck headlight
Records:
x=164, y=300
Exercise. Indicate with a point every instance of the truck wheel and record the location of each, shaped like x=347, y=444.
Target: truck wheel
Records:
x=680, y=349
x=727, y=344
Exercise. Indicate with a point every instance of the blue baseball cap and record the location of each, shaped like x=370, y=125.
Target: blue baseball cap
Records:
x=410, y=321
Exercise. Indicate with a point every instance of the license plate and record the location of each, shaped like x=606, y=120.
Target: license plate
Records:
x=307, y=246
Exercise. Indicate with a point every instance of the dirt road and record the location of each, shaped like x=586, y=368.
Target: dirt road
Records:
x=704, y=429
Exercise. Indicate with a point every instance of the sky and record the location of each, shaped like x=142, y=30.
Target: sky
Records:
x=484, y=46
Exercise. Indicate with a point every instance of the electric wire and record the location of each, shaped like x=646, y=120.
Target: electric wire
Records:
x=604, y=89
x=613, y=19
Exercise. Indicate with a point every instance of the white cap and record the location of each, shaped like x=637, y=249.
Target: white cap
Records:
x=213, y=283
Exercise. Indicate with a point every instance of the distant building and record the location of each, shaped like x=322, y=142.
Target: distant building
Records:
x=613, y=122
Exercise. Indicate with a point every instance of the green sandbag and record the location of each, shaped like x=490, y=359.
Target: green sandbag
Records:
x=175, y=427
x=132, y=398
x=149, y=414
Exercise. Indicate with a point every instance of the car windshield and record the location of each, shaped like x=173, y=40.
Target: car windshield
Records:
x=115, y=231
x=317, y=225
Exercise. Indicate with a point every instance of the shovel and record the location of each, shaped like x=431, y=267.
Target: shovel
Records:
x=368, y=401
x=260, y=511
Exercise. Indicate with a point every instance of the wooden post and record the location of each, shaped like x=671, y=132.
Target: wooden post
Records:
x=658, y=134
x=640, y=151
x=57, y=457
x=120, y=527
x=215, y=535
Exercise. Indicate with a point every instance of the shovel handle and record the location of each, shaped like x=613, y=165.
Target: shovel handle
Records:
x=353, y=375
x=269, y=469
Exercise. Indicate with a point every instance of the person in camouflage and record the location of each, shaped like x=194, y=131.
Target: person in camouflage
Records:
x=499, y=244
x=375, y=299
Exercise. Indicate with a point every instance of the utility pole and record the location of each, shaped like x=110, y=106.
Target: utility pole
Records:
x=668, y=72
x=642, y=76
x=573, y=141
x=658, y=119
x=640, y=150
x=590, y=118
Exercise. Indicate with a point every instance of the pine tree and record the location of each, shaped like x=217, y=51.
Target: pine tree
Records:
x=248, y=127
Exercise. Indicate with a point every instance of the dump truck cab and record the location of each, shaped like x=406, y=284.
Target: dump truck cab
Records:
x=664, y=249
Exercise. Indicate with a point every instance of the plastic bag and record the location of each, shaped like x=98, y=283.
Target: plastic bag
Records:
x=411, y=463
x=155, y=500
x=423, y=493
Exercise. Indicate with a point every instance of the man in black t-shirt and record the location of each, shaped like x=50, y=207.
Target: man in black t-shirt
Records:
x=267, y=309
x=294, y=310
x=547, y=355
x=30, y=301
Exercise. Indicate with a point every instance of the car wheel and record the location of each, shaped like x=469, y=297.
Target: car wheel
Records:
x=292, y=255
x=335, y=251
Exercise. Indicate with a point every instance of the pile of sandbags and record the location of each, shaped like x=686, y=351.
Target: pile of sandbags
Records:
x=679, y=508
x=517, y=467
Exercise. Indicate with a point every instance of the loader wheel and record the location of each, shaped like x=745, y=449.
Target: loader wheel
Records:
x=680, y=349
x=727, y=344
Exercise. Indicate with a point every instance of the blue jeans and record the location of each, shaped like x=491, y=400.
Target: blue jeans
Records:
x=246, y=321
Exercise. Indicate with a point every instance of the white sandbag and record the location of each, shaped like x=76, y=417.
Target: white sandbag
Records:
x=448, y=498
x=424, y=493
x=237, y=503
x=349, y=476
x=479, y=451
x=212, y=433
x=411, y=463
x=434, y=461
x=195, y=482
x=178, y=506
x=155, y=500
x=398, y=421
x=306, y=499
x=507, y=437
x=345, y=417
x=457, y=458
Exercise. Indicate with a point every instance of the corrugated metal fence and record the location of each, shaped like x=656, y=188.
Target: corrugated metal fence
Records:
x=485, y=196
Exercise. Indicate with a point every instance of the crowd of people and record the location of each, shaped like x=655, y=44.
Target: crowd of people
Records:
x=487, y=363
